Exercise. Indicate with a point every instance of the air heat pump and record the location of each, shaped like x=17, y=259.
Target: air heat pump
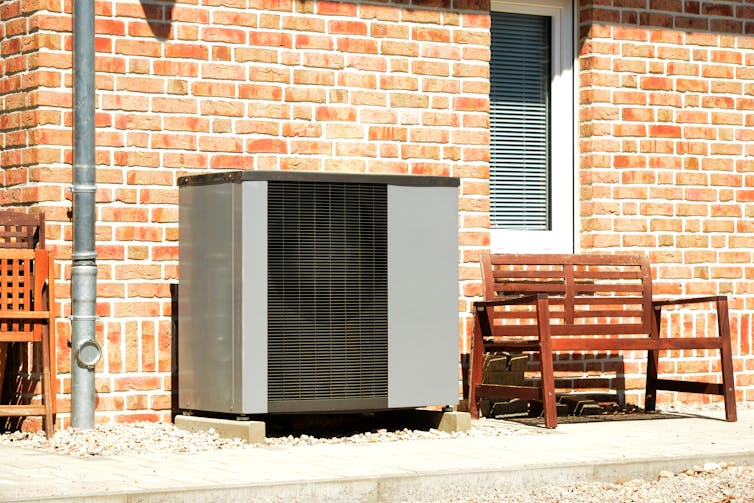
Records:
x=312, y=292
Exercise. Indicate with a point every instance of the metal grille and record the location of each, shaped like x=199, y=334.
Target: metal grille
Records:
x=327, y=298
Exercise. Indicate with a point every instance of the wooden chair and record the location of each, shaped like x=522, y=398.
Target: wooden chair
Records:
x=563, y=303
x=27, y=315
x=25, y=231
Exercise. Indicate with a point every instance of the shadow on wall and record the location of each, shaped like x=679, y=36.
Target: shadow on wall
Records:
x=175, y=409
x=159, y=16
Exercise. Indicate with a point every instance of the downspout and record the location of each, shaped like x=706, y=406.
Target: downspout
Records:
x=85, y=351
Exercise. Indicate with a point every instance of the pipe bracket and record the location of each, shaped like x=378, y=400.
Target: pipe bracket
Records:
x=84, y=255
x=83, y=188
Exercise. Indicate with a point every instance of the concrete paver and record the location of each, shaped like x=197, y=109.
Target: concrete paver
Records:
x=415, y=470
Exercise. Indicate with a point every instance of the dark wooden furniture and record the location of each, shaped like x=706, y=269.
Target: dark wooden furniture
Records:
x=551, y=303
x=26, y=231
x=26, y=315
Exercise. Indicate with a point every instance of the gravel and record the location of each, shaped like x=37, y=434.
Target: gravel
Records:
x=112, y=439
x=712, y=483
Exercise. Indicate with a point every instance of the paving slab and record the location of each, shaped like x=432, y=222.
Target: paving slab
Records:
x=408, y=470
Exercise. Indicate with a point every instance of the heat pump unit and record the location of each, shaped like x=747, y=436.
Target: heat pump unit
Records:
x=312, y=292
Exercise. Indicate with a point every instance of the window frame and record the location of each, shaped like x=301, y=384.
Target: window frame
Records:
x=561, y=237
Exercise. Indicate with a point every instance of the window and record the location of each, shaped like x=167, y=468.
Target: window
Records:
x=532, y=126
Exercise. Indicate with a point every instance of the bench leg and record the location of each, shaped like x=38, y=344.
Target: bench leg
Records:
x=548, y=390
x=650, y=395
x=47, y=395
x=47, y=385
x=476, y=359
x=546, y=370
x=726, y=360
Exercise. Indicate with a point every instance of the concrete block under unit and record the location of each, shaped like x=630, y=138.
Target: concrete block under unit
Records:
x=451, y=422
x=252, y=432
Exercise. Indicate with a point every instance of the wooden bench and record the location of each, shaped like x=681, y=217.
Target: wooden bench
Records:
x=580, y=303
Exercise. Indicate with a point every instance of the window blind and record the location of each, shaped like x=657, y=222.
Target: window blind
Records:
x=519, y=122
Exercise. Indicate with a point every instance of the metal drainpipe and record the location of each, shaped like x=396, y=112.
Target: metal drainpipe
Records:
x=85, y=352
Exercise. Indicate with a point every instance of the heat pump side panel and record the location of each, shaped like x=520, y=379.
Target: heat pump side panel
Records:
x=209, y=324
x=253, y=305
x=422, y=296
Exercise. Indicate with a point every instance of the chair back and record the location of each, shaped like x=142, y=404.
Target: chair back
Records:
x=22, y=230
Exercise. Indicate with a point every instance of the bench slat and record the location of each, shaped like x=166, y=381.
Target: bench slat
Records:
x=690, y=387
x=508, y=391
x=557, y=258
x=510, y=289
x=571, y=330
x=610, y=289
x=509, y=274
x=513, y=345
x=626, y=344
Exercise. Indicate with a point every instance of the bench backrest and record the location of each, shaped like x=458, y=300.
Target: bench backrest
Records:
x=589, y=294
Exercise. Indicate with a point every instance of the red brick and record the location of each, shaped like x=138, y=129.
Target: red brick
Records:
x=396, y=48
x=136, y=383
x=173, y=141
x=313, y=77
x=305, y=24
x=306, y=94
x=223, y=71
x=221, y=144
x=145, y=48
x=346, y=27
x=344, y=131
x=222, y=108
x=267, y=145
x=355, y=149
x=232, y=18
x=404, y=82
x=357, y=45
x=224, y=35
x=471, y=104
x=310, y=147
x=231, y=162
x=187, y=51
x=366, y=63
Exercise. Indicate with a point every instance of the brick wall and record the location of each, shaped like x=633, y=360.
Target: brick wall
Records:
x=377, y=87
x=666, y=92
x=380, y=87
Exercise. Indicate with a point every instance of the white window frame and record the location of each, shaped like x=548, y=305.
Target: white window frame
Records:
x=561, y=237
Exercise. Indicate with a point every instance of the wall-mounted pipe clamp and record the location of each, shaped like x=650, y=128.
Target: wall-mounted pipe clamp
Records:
x=82, y=188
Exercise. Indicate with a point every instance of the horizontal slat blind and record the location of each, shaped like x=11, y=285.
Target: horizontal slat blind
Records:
x=519, y=122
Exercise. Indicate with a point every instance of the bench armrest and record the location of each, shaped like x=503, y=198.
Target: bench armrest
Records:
x=685, y=301
x=510, y=301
